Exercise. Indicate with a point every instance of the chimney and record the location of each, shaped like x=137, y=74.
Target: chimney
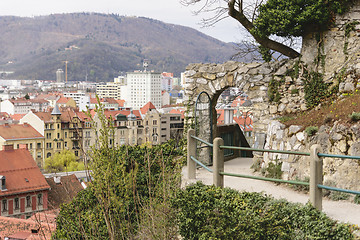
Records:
x=2, y=183
x=8, y=147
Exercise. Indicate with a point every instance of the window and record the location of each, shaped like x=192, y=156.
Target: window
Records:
x=58, y=145
x=17, y=205
x=4, y=205
x=38, y=154
x=77, y=153
x=65, y=144
x=87, y=134
x=30, y=146
x=48, y=155
x=48, y=145
x=58, y=126
x=39, y=197
x=154, y=122
x=17, y=146
x=58, y=135
x=28, y=201
x=38, y=145
x=48, y=135
x=65, y=134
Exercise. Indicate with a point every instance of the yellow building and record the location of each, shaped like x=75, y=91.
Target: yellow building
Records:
x=18, y=134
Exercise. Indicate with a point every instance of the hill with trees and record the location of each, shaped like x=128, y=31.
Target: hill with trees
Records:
x=100, y=46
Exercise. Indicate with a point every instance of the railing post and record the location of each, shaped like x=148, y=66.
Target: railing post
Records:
x=191, y=151
x=218, y=162
x=316, y=176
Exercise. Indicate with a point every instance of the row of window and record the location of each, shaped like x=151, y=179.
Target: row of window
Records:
x=28, y=202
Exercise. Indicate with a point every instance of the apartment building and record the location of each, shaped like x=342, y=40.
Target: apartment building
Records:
x=61, y=130
x=23, y=106
x=23, y=188
x=141, y=88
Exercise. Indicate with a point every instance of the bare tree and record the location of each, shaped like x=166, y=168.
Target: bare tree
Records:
x=245, y=12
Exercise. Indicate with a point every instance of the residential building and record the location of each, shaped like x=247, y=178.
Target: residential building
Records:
x=23, y=106
x=141, y=88
x=61, y=130
x=76, y=95
x=23, y=134
x=161, y=127
x=23, y=189
x=63, y=190
x=167, y=81
x=109, y=90
x=66, y=102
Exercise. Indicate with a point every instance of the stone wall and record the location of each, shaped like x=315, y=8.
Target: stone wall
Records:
x=335, y=54
x=336, y=139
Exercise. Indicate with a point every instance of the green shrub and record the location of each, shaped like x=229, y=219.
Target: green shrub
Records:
x=273, y=169
x=301, y=188
x=311, y=130
x=337, y=196
x=355, y=116
x=295, y=91
x=208, y=212
x=357, y=199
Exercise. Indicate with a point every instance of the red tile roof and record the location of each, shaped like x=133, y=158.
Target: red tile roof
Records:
x=15, y=227
x=147, y=107
x=63, y=192
x=18, y=131
x=17, y=116
x=120, y=102
x=21, y=172
x=63, y=100
x=111, y=101
x=45, y=116
x=178, y=111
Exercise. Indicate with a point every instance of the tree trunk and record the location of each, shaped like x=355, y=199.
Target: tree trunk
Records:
x=264, y=41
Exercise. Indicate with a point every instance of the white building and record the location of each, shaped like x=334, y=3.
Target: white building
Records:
x=77, y=96
x=111, y=89
x=23, y=106
x=142, y=87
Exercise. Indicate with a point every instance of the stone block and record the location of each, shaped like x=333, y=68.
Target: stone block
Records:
x=211, y=87
x=294, y=129
x=201, y=81
x=209, y=76
x=273, y=109
x=190, y=73
x=300, y=136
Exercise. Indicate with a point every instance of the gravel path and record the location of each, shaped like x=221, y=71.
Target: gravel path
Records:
x=343, y=211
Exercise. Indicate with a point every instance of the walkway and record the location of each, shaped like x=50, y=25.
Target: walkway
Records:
x=340, y=210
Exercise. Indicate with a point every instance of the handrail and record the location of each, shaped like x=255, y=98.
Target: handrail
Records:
x=201, y=164
x=338, y=156
x=265, y=150
x=265, y=179
x=338, y=189
x=203, y=141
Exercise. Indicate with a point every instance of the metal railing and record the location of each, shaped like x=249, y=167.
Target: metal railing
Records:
x=316, y=166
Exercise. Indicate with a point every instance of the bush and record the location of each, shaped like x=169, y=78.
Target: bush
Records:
x=337, y=196
x=357, y=199
x=274, y=169
x=311, y=130
x=208, y=212
x=355, y=116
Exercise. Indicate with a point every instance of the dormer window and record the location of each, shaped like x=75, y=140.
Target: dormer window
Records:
x=2, y=183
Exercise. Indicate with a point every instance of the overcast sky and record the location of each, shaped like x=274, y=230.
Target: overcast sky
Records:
x=169, y=11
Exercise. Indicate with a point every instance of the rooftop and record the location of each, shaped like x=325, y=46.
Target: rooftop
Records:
x=21, y=172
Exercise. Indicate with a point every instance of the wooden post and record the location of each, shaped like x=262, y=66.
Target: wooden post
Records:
x=191, y=151
x=316, y=177
x=218, y=162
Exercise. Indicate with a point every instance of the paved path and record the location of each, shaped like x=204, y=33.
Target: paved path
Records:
x=343, y=211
